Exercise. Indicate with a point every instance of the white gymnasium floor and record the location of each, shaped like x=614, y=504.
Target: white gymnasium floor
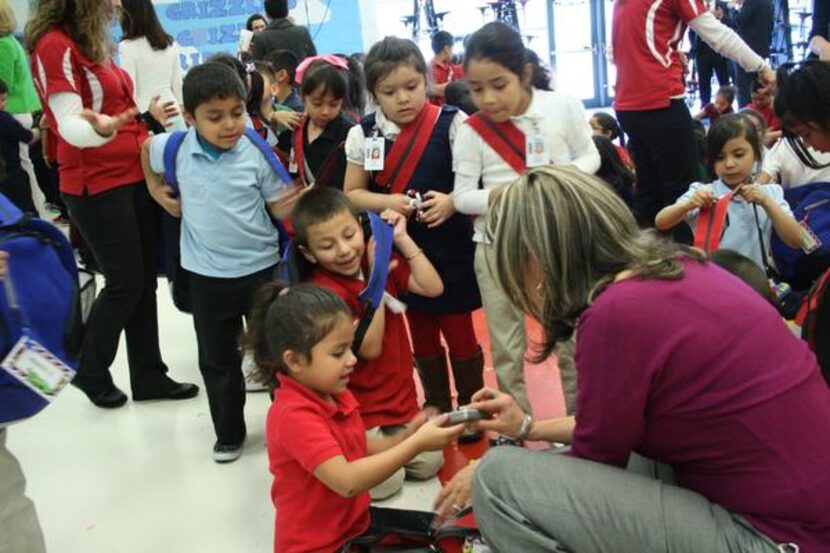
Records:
x=140, y=479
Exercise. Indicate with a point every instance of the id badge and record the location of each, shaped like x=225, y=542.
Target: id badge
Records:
x=292, y=162
x=809, y=241
x=33, y=365
x=375, y=153
x=538, y=150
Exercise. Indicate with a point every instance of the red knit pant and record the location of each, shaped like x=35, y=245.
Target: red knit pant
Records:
x=426, y=331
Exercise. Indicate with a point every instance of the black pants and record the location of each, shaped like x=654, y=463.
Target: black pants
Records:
x=15, y=186
x=743, y=81
x=219, y=305
x=662, y=145
x=706, y=65
x=121, y=227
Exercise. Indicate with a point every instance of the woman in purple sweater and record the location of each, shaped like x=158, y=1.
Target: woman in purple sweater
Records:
x=678, y=361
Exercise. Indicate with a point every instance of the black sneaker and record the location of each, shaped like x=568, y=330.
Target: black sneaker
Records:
x=223, y=453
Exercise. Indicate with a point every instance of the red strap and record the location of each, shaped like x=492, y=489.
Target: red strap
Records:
x=506, y=139
x=810, y=301
x=710, y=224
x=407, y=150
x=299, y=152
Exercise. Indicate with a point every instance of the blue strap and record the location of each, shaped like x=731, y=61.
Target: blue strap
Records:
x=382, y=232
x=270, y=155
x=171, y=150
x=10, y=214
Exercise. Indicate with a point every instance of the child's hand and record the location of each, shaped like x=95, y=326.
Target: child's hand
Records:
x=753, y=194
x=702, y=199
x=163, y=111
x=290, y=119
x=401, y=203
x=437, y=208
x=167, y=199
x=398, y=223
x=433, y=435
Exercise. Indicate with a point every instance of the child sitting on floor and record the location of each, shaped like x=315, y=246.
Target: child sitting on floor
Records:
x=721, y=106
x=318, y=451
x=330, y=237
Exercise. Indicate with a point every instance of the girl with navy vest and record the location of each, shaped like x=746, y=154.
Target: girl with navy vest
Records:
x=518, y=126
x=400, y=158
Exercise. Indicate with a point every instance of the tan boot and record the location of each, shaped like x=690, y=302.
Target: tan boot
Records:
x=469, y=378
x=435, y=378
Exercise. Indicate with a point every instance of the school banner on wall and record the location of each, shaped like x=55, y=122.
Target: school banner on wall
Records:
x=205, y=27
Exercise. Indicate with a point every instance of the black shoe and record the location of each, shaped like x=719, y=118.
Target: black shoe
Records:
x=223, y=453
x=110, y=398
x=166, y=388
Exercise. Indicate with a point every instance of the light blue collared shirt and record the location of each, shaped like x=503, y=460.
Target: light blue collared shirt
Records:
x=226, y=228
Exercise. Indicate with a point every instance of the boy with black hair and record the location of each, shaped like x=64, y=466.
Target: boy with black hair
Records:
x=441, y=68
x=228, y=241
x=14, y=182
x=284, y=64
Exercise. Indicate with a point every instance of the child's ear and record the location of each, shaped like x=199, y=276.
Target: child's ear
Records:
x=527, y=77
x=282, y=76
x=190, y=119
x=307, y=254
x=293, y=361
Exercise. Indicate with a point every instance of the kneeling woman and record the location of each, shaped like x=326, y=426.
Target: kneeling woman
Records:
x=678, y=361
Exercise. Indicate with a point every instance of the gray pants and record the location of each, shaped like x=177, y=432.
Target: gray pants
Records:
x=19, y=528
x=541, y=502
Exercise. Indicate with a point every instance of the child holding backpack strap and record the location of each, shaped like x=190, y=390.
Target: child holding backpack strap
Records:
x=228, y=241
x=733, y=148
x=330, y=237
x=322, y=462
x=413, y=176
x=517, y=127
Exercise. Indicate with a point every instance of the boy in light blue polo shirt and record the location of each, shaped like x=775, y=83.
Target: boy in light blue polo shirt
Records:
x=228, y=241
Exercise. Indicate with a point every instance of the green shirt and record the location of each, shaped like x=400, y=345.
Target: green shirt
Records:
x=14, y=71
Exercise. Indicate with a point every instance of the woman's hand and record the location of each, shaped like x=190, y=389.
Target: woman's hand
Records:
x=767, y=77
x=436, y=209
x=507, y=416
x=107, y=125
x=290, y=119
x=163, y=111
x=455, y=497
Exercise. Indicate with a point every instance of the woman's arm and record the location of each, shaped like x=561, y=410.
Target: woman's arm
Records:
x=84, y=128
x=176, y=77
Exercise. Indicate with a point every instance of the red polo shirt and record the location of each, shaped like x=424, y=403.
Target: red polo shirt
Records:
x=768, y=113
x=58, y=65
x=441, y=73
x=645, y=36
x=302, y=432
x=384, y=387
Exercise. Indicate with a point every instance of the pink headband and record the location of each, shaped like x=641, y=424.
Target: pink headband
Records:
x=336, y=61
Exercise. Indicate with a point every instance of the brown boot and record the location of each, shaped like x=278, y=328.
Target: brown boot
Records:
x=469, y=378
x=435, y=378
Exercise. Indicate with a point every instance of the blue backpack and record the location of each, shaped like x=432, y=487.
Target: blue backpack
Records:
x=40, y=301
x=811, y=207
x=171, y=226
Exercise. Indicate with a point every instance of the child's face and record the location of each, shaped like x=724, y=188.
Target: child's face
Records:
x=322, y=107
x=327, y=370
x=722, y=103
x=3, y=99
x=761, y=98
x=401, y=94
x=496, y=90
x=813, y=135
x=597, y=128
x=337, y=245
x=219, y=121
x=735, y=163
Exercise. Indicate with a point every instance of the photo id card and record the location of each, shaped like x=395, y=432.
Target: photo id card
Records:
x=538, y=150
x=375, y=153
x=292, y=162
x=809, y=241
x=33, y=365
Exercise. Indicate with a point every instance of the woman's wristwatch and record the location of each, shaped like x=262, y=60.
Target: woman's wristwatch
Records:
x=524, y=430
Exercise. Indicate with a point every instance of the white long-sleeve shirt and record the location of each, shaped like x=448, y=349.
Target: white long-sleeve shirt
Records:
x=559, y=117
x=77, y=131
x=726, y=42
x=154, y=72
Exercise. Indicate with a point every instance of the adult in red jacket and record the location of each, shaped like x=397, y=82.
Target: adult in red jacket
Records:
x=90, y=99
x=649, y=96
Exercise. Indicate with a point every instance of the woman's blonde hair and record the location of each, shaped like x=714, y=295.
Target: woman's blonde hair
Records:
x=8, y=21
x=579, y=235
x=86, y=21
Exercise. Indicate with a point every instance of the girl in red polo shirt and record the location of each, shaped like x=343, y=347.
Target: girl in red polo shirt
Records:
x=322, y=463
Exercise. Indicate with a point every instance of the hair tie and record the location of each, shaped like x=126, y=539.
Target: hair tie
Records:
x=331, y=59
x=250, y=68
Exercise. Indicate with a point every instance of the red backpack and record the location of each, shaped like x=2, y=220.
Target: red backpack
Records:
x=814, y=319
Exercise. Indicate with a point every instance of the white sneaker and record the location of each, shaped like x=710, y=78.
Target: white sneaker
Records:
x=251, y=383
x=227, y=453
